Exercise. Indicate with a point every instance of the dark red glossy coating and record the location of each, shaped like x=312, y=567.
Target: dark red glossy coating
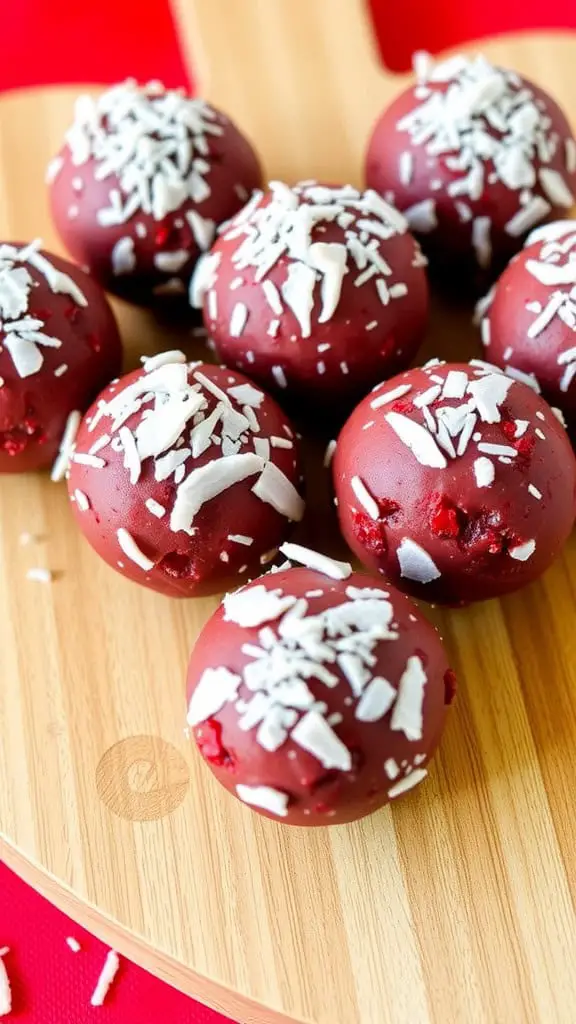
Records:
x=343, y=357
x=185, y=565
x=467, y=530
x=508, y=322
x=317, y=796
x=34, y=409
x=449, y=247
x=234, y=173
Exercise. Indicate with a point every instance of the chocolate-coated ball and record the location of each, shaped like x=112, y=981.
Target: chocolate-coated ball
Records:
x=185, y=476
x=456, y=482
x=475, y=156
x=316, y=292
x=143, y=180
x=528, y=323
x=316, y=695
x=59, y=345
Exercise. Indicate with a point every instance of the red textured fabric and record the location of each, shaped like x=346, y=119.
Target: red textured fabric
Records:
x=421, y=25
x=56, y=42
x=52, y=985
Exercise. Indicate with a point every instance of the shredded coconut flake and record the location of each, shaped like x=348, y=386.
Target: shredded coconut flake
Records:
x=363, y=495
x=408, y=782
x=265, y=797
x=132, y=551
x=151, y=363
x=123, y=257
x=60, y=467
x=390, y=396
x=207, y=482
x=376, y=700
x=203, y=229
x=238, y=319
x=274, y=487
x=329, y=453
x=522, y=552
x=415, y=563
x=279, y=376
x=422, y=217
x=418, y=439
x=106, y=979
x=39, y=575
x=82, y=501
x=256, y=605
x=216, y=687
x=407, y=716
x=240, y=538
x=315, y=560
x=155, y=508
x=313, y=734
x=484, y=472
x=5, y=988
x=481, y=240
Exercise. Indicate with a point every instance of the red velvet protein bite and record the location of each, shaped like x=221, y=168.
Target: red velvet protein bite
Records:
x=528, y=321
x=145, y=176
x=185, y=476
x=316, y=694
x=315, y=291
x=59, y=344
x=456, y=482
x=475, y=156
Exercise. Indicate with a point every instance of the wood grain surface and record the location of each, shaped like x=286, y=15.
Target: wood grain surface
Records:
x=454, y=906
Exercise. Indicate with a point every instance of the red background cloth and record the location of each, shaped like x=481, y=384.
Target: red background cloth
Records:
x=52, y=985
x=57, y=41
x=48, y=42
x=439, y=24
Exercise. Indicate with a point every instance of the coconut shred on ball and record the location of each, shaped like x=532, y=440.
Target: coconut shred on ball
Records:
x=316, y=695
x=59, y=344
x=528, y=321
x=475, y=156
x=315, y=291
x=456, y=482
x=144, y=177
x=185, y=475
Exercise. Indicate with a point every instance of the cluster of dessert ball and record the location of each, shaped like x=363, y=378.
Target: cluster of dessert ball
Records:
x=316, y=694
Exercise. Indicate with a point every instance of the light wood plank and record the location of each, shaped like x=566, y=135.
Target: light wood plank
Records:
x=457, y=905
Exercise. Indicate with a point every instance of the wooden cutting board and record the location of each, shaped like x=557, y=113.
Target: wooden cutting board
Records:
x=455, y=905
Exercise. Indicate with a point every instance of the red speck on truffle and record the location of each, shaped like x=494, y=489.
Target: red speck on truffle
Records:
x=445, y=518
x=450, y=686
x=370, y=535
x=209, y=739
x=162, y=235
